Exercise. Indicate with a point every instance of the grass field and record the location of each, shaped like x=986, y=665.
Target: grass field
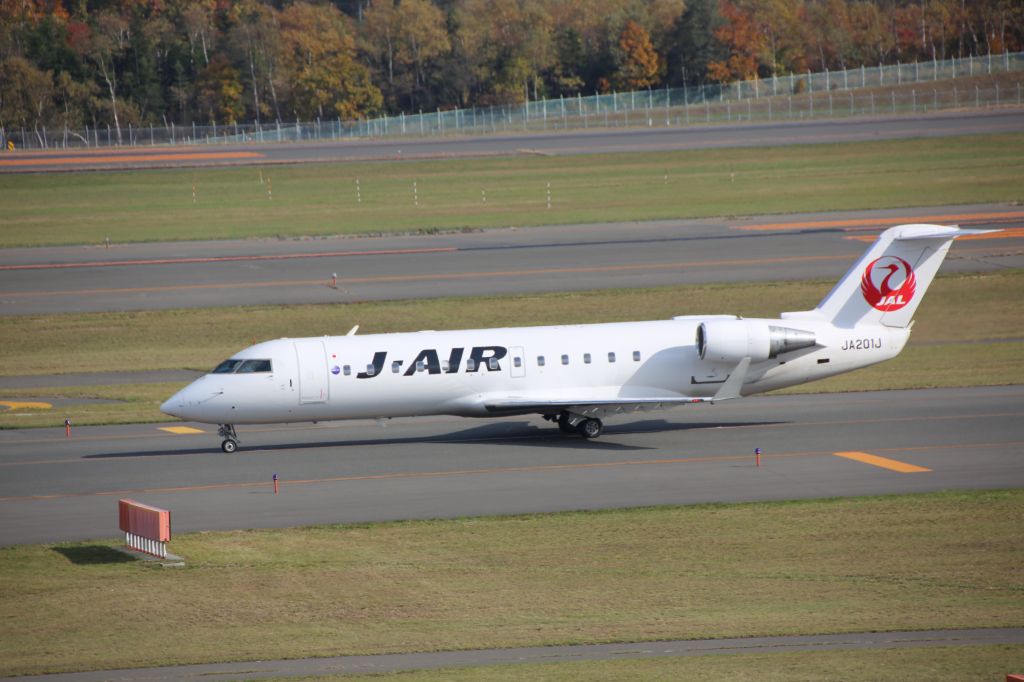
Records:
x=904, y=562
x=939, y=354
x=320, y=199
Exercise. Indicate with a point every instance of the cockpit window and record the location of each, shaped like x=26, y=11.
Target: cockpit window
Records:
x=234, y=366
x=252, y=366
x=226, y=367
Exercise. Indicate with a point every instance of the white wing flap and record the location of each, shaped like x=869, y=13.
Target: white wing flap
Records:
x=585, y=406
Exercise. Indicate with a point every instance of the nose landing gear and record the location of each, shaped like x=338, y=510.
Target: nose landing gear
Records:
x=227, y=432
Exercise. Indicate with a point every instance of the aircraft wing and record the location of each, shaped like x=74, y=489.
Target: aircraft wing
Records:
x=585, y=406
x=730, y=388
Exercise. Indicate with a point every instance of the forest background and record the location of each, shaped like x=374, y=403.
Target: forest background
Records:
x=120, y=62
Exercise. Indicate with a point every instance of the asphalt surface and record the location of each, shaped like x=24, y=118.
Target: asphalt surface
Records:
x=553, y=142
x=392, y=663
x=54, y=489
x=495, y=262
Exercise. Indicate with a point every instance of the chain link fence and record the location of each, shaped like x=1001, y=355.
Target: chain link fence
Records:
x=919, y=87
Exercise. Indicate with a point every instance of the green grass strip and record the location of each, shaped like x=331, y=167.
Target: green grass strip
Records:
x=321, y=199
x=945, y=560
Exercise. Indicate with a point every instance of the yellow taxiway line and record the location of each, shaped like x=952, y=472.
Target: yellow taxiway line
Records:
x=883, y=462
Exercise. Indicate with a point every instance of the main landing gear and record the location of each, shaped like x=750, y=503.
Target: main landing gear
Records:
x=588, y=427
x=227, y=432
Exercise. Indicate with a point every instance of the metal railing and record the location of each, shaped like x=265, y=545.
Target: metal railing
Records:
x=893, y=89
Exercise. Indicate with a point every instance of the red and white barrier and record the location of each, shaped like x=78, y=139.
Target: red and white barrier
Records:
x=146, y=529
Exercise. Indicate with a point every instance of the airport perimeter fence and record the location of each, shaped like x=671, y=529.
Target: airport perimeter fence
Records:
x=863, y=91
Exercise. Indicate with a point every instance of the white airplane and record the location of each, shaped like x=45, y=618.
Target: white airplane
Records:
x=576, y=374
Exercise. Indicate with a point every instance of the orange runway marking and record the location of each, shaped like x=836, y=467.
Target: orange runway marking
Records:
x=1003, y=233
x=69, y=160
x=112, y=151
x=866, y=222
x=884, y=462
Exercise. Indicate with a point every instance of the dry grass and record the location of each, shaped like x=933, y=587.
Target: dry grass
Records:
x=907, y=562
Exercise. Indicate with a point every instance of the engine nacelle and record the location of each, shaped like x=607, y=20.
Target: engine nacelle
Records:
x=732, y=340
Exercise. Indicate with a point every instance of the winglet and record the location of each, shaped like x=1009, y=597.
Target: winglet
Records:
x=732, y=386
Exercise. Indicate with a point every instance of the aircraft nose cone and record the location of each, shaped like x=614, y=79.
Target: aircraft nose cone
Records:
x=173, y=405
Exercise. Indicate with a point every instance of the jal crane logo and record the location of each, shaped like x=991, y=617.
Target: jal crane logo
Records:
x=895, y=283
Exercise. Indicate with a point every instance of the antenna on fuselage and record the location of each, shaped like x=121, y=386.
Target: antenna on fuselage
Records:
x=352, y=331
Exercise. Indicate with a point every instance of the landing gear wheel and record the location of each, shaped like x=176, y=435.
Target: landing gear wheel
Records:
x=563, y=423
x=590, y=428
x=230, y=442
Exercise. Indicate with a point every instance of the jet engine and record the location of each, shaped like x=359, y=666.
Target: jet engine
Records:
x=732, y=340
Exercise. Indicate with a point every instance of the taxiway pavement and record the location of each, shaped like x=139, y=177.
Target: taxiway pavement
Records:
x=491, y=262
x=53, y=488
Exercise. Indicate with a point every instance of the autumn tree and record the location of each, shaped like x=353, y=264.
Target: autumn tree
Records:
x=102, y=42
x=219, y=91
x=255, y=43
x=318, y=54
x=639, y=67
x=692, y=45
x=507, y=46
x=26, y=95
x=739, y=36
x=402, y=40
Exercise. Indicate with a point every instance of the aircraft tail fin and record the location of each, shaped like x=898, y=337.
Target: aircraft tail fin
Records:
x=888, y=282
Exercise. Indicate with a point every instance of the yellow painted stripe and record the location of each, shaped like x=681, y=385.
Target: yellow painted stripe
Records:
x=883, y=462
x=180, y=429
x=26, y=405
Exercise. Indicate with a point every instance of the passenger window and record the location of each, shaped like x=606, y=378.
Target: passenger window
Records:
x=396, y=366
x=347, y=370
x=540, y=360
x=636, y=356
x=586, y=358
x=370, y=370
x=611, y=357
x=226, y=367
x=444, y=366
x=420, y=366
x=471, y=365
x=518, y=362
x=253, y=366
x=565, y=359
x=492, y=364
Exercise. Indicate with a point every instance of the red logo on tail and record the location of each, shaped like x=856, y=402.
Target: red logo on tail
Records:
x=885, y=296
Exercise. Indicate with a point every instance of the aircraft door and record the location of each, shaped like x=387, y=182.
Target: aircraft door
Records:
x=313, y=386
x=517, y=362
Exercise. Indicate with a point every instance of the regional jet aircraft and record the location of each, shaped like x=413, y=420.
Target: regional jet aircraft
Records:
x=574, y=375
